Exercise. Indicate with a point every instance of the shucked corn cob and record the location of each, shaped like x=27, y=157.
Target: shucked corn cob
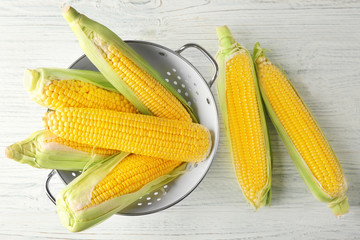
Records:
x=244, y=119
x=135, y=133
x=110, y=186
x=308, y=147
x=57, y=88
x=40, y=152
x=126, y=70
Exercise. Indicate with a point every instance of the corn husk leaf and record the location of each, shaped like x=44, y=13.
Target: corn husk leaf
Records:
x=227, y=49
x=339, y=204
x=39, y=154
x=75, y=196
x=86, y=30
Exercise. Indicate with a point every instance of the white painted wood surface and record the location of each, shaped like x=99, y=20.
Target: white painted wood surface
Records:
x=316, y=42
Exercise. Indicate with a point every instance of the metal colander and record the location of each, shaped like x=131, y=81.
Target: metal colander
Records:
x=187, y=80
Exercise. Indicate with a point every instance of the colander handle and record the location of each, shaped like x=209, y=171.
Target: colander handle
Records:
x=47, y=190
x=207, y=55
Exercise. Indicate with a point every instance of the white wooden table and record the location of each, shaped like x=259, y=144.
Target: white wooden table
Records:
x=317, y=43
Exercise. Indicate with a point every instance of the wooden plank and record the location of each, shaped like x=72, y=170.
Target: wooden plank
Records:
x=316, y=43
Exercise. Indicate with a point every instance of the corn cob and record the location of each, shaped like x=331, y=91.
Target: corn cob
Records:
x=126, y=70
x=57, y=88
x=110, y=186
x=40, y=152
x=135, y=133
x=244, y=119
x=302, y=136
x=129, y=176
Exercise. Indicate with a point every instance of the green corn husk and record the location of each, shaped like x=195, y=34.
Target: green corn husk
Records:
x=39, y=154
x=227, y=49
x=86, y=30
x=72, y=199
x=338, y=204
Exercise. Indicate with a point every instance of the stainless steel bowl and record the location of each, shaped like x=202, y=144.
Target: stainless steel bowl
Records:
x=187, y=80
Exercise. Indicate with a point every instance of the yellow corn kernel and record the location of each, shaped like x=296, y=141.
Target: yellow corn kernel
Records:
x=301, y=128
x=75, y=93
x=246, y=134
x=135, y=133
x=130, y=175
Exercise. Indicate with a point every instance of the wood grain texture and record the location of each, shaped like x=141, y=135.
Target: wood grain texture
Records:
x=317, y=43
